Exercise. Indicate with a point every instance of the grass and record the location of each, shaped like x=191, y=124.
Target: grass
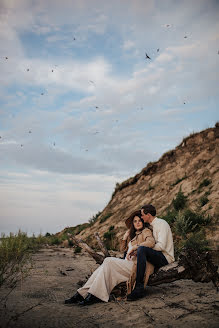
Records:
x=105, y=217
x=15, y=256
x=178, y=181
x=109, y=238
x=94, y=218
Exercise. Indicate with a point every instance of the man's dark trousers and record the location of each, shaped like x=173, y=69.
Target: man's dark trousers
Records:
x=148, y=254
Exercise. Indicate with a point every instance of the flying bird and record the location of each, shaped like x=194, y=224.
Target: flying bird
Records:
x=6, y=57
x=30, y=132
x=28, y=69
x=42, y=94
x=96, y=107
x=74, y=39
x=21, y=145
x=185, y=37
x=91, y=81
x=166, y=25
x=146, y=56
x=54, y=143
x=158, y=49
x=52, y=70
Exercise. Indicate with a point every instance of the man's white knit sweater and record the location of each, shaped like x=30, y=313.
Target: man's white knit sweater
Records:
x=163, y=238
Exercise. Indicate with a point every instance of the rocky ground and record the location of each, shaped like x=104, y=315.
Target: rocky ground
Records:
x=39, y=300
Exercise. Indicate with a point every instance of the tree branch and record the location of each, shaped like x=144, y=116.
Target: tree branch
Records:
x=79, y=242
x=102, y=246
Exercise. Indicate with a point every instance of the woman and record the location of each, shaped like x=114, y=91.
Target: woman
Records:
x=115, y=270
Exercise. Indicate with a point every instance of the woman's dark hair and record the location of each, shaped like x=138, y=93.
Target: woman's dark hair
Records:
x=132, y=229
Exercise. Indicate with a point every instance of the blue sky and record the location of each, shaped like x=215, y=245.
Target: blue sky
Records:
x=81, y=108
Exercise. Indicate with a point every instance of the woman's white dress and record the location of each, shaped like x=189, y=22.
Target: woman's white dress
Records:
x=109, y=274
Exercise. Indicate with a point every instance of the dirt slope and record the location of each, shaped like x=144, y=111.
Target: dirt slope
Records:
x=185, y=167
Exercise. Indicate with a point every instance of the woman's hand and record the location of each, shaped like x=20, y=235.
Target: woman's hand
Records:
x=126, y=235
x=131, y=253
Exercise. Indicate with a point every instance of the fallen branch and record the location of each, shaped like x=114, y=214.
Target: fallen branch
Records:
x=191, y=265
x=79, y=242
x=146, y=313
x=127, y=310
x=102, y=246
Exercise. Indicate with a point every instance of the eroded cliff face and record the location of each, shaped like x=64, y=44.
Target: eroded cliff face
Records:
x=185, y=167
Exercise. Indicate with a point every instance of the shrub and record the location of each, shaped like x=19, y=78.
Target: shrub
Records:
x=105, y=217
x=81, y=227
x=196, y=241
x=178, y=181
x=70, y=243
x=170, y=217
x=180, y=201
x=15, y=256
x=197, y=218
x=54, y=240
x=204, y=183
x=204, y=200
x=111, y=228
x=77, y=249
x=94, y=219
x=109, y=238
x=183, y=225
x=150, y=187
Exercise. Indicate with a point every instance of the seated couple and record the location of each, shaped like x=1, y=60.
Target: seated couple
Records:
x=144, y=251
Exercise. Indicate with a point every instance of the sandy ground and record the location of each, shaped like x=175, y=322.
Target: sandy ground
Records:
x=178, y=304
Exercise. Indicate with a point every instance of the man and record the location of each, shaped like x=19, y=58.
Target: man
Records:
x=161, y=254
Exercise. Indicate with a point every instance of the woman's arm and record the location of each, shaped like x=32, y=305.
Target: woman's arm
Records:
x=124, y=242
x=147, y=241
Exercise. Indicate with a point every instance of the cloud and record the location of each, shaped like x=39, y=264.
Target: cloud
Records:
x=82, y=131
x=128, y=44
x=45, y=197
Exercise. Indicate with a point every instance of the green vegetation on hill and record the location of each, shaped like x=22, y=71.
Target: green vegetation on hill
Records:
x=187, y=225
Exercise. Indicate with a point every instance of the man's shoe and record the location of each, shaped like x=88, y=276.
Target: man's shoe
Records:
x=138, y=292
x=90, y=299
x=74, y=299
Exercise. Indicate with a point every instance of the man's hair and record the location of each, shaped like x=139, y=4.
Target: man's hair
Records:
x=149, y=209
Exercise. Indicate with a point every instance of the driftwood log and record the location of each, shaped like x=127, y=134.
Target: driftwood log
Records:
x=79, y=242
x=191, y=265
x=102, y=246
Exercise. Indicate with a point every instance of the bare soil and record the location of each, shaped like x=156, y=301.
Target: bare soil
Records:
x=39, y=300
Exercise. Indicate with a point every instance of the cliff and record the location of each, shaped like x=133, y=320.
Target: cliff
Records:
x=184, y=168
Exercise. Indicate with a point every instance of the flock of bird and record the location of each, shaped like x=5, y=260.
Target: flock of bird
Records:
x=147, y=57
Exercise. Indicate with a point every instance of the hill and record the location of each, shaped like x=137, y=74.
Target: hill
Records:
x=191, y=167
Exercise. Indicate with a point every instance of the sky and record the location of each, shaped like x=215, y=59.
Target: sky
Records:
x=82, y=107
